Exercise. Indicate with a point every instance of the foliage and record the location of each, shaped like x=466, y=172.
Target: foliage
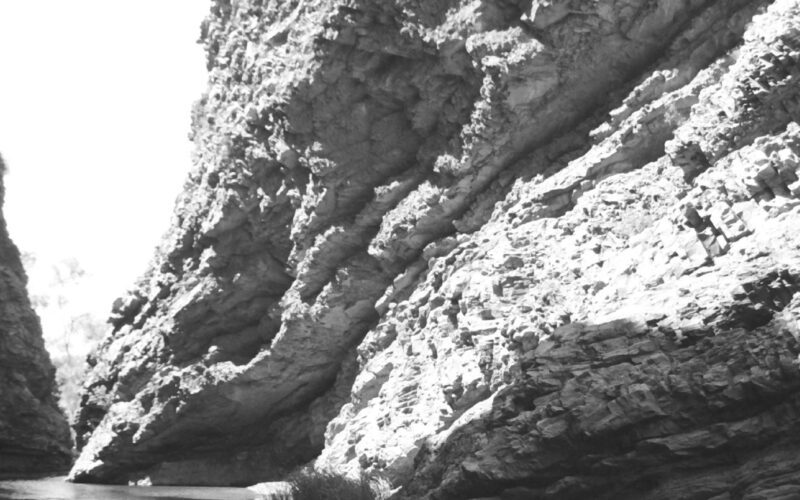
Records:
x=71, y=366
x=323, y=485
x=69, y=331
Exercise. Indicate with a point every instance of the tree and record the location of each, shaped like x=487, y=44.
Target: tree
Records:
x=69, y=332
x=70, y=366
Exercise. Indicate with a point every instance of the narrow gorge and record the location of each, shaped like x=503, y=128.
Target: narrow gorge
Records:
x=509, y=249
x=34, y=434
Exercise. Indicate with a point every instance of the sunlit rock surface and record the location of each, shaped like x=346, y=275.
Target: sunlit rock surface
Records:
x=34, y=435
x=487, y=249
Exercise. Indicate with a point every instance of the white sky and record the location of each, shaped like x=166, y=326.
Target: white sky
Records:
x=95, y=99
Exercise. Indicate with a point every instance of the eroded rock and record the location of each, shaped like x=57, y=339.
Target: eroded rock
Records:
x=34, y=434
x=511, y=249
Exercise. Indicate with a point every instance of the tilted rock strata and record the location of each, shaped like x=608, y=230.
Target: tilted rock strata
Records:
x=621, y=327
x=432, y=182
x=34, y=434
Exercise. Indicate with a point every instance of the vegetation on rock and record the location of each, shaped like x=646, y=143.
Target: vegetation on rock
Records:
x=323, y=485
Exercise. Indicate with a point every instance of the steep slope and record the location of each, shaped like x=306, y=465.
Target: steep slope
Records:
x=623, y=328
x=34, y=435
x=520, y=248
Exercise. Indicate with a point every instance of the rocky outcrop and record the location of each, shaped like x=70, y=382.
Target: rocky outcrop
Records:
x=488, y=249
x=34, y=435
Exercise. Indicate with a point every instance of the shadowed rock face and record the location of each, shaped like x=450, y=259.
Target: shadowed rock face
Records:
x=34, y=434
x=513, y=249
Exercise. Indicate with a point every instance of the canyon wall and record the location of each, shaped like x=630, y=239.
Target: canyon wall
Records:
x=34, y=435
x=505, y=249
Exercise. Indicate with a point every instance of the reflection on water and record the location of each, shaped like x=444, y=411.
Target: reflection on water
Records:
x=56, y=488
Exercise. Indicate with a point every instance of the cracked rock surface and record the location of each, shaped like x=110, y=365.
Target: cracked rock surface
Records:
x=516, y=249
x=34, y=434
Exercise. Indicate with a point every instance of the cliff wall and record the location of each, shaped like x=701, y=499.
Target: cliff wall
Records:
x=34, y=434
x=521, y=249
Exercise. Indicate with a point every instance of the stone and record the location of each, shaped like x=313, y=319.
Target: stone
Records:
x=451, y=282
x=277, y=490
x=726, y=222
x=34, y=434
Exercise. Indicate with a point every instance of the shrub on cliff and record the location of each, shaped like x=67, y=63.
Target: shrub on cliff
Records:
x=323, y=485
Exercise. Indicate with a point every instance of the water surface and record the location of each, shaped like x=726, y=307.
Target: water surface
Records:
x=56, y=488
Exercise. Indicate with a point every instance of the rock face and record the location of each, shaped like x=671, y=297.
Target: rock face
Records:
x=34, y=435
x=514, y=249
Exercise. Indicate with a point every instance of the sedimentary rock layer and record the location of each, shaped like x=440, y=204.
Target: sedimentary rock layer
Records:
x=34, y=435
x=625, y=325
x=521, y=249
